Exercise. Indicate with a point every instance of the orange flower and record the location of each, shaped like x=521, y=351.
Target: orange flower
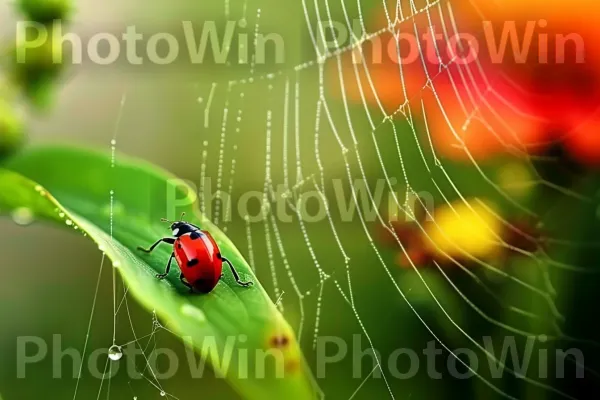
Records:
x=492, y=76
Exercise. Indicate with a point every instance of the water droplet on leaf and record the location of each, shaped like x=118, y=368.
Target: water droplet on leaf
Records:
x=22, y=216
x=193, y=312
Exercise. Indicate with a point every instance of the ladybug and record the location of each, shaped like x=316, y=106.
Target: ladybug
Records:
x=198, y=256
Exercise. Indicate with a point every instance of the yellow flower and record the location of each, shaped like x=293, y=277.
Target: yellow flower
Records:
x=464, y=230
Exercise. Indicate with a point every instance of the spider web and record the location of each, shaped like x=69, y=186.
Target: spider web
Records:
x=317, y=272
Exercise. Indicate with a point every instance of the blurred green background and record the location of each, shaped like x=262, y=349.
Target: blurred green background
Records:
x=49, y=275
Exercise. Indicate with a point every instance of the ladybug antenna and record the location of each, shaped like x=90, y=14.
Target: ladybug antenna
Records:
x=182, y=215
x=165, y=220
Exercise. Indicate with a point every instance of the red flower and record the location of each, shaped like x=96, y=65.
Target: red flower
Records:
x=527, y=76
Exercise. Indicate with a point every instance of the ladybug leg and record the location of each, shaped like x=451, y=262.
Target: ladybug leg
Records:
x=165, y=240
x=163, y=276
x=182, y=279
x=235, y=274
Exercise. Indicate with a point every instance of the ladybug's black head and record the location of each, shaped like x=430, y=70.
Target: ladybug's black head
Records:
x=180, y=228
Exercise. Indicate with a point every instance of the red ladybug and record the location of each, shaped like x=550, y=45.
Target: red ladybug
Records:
x=197, y=255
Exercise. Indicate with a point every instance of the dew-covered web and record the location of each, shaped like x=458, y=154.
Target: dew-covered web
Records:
x=319, y=273
x=146, y=344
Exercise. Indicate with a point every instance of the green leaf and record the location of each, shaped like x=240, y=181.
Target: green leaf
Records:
x=72, y=187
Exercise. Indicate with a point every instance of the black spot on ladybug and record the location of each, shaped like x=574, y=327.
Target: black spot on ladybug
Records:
x=195, y=235
x=179, y=245
x=203, y=285
x=192, y=262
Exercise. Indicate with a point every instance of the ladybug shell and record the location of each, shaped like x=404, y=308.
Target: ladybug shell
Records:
x=199, y=259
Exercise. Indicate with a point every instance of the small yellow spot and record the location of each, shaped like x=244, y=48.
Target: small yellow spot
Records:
x=515, y=179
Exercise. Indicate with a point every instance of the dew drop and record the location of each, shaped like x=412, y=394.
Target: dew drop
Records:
x=69, y=222
x=116, y=264
x=205, y=143
x=117, y=208
x=40, y=190
x=193, y=312
x=163, y=393
x=22, y=216
x=61, y=214
x=115, y=352
x=113, y=142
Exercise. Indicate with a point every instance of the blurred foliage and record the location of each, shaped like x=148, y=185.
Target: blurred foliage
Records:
x=36, y=69
x=31, y=72
x=11, y=129
x=45, y=11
